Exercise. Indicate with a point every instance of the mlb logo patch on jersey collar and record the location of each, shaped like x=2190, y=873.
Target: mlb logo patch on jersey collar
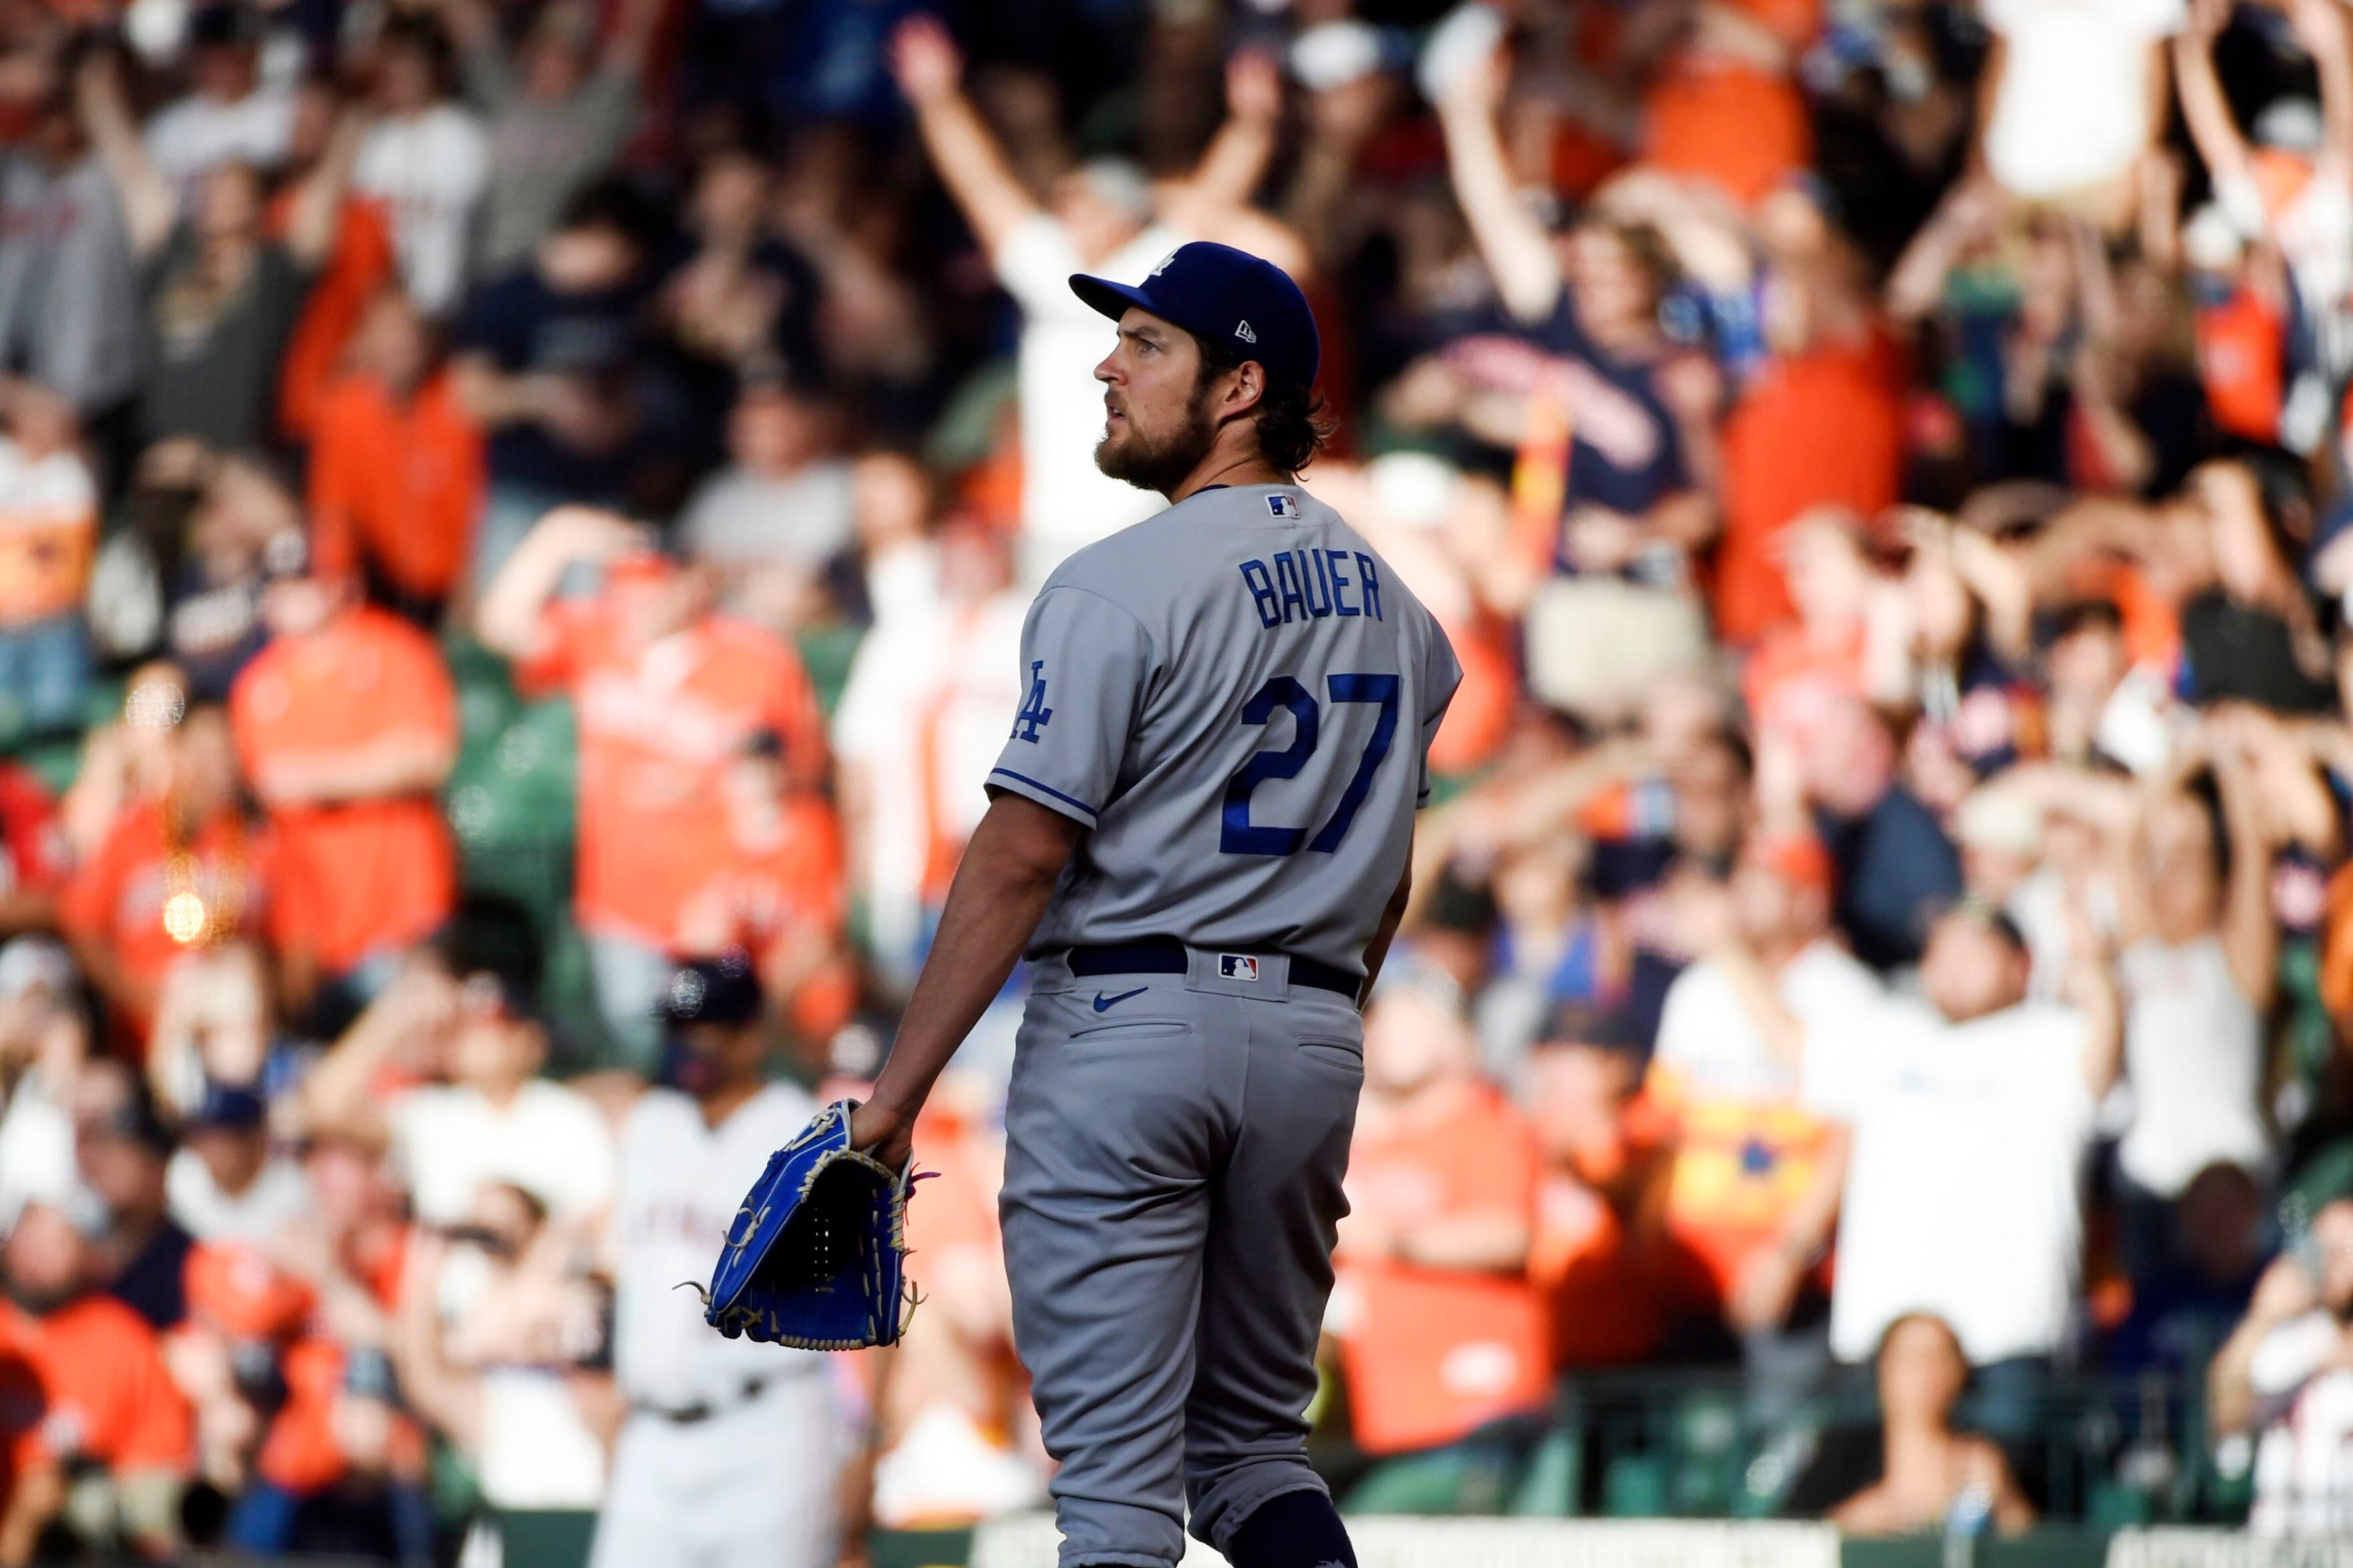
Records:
x=1281, y=505
x=1237, y=966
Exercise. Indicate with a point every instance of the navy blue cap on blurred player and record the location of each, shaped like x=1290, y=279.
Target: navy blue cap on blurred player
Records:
x=1247, y=305
x=721, y=990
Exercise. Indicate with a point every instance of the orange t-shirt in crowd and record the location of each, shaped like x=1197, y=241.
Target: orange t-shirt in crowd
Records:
x=359, y=876
x=789, y=874
x=1592, y=1275
x=304, y=1451
x=235, y=1290
x=659, y=724
x=94, y=1370
x=1479, y=719
x=1820, y=428
x=2243, y=363
x=34, y=853
x=1430, y=1354
x=359, y=262
x=393, y=484
x=784, y=881
x=1726, y=122
x=148, y=894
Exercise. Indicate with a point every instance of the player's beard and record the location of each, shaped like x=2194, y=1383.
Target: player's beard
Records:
x=1160, y=464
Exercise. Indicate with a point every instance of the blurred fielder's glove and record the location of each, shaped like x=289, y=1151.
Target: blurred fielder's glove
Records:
x=816, y=1255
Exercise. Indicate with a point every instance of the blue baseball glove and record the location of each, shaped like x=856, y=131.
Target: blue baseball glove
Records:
x=815, y=1258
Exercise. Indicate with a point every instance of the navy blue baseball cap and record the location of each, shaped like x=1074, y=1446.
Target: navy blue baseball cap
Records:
x=721, y=990
x=1223, y=296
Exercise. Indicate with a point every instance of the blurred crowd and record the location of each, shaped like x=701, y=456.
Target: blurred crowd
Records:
x=515, y=517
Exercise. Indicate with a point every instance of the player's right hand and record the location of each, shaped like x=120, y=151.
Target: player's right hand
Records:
x=886, y=1134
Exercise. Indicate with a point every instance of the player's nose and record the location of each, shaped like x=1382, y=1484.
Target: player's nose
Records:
x=1107, y=371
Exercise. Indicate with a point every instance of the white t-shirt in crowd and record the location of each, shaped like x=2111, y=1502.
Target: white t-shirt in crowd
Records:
x=1706, y=1040
x=538, y=1450
x=2039, y=908
x=429, y=170
x=2193, y=1057
x=37, y=1148
x=1962, y=1191
x=1066, y=500
x=680, y=1182
x=923, y=716
x=278, y=1196
x=196, y=135
x=550, y=1141
x=2304, y=1461
x=737, y=519
x=2073, y=108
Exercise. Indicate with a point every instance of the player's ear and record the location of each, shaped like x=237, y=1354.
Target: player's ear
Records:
x=1249, y=388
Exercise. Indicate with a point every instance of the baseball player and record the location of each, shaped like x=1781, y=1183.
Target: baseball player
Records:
x=1199, y=832
x=730, y=1453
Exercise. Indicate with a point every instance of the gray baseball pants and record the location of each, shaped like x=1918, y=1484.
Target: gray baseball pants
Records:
x=1175, y=1146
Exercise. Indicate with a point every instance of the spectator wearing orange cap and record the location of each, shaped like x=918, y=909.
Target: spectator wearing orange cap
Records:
x=1753, y=1189
x=83, y=1380
x=668, y=691
x=346, y=724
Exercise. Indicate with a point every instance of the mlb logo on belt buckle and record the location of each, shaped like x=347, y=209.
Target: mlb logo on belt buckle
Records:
x=1237, y=966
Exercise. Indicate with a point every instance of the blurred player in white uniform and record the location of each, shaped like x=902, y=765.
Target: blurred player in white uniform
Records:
x=730, y=1449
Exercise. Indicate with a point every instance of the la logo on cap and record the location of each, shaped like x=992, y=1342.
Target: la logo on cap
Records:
x=1163, y=265
x=1242, y=331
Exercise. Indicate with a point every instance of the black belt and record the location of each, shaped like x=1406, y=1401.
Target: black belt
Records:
x=1166, y=956
x=689, y=1415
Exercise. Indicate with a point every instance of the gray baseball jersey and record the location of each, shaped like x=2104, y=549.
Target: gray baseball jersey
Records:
x=1237, y=696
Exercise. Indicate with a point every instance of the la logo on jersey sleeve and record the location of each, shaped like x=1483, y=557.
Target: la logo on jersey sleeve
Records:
x=1034, y=715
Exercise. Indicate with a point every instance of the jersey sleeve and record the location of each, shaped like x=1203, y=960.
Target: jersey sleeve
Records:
x=1084, y=665
x=1441, y=673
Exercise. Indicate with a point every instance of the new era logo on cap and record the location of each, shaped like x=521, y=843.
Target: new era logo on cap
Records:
x=1242, y=331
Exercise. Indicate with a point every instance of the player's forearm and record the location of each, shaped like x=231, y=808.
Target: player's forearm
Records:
x=999, y=894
